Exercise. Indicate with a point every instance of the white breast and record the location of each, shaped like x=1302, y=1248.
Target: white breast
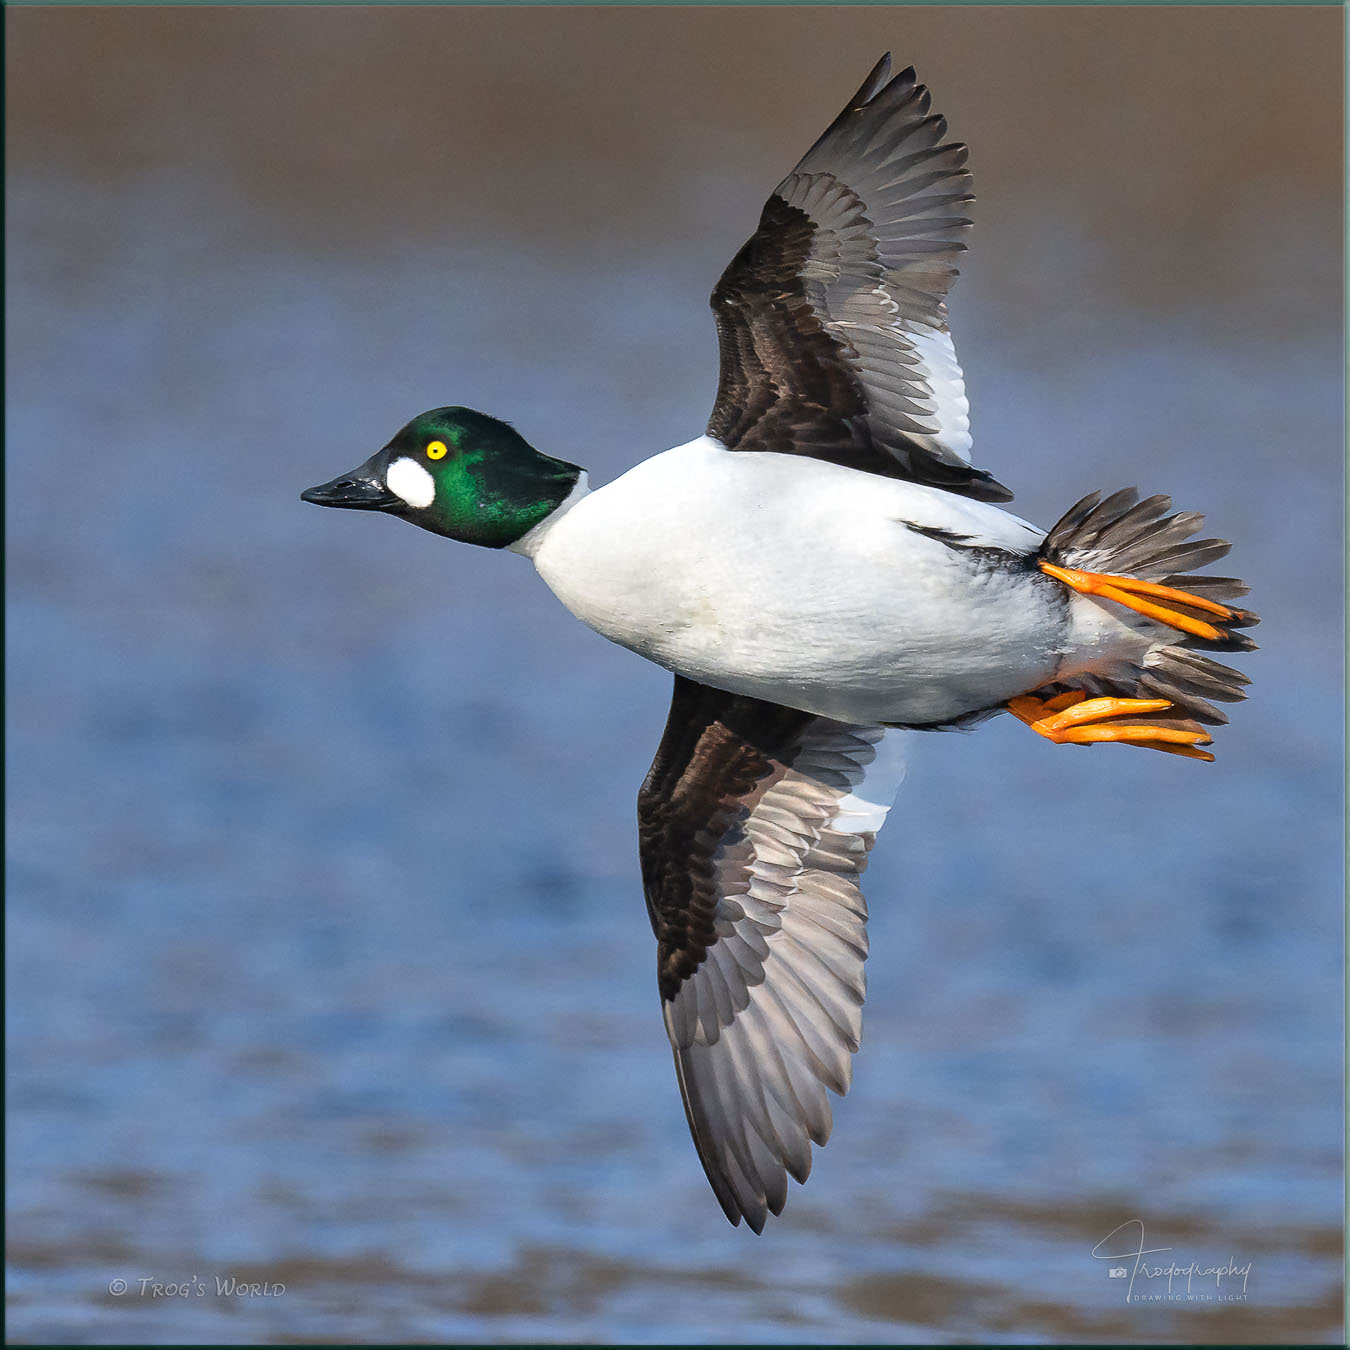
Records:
x=797, y=581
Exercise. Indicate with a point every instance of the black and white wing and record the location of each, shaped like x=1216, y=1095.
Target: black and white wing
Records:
x=755, y=824
x=831, y=320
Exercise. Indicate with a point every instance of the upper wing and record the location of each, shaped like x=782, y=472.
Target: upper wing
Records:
x=755, y=823
x=831, y=320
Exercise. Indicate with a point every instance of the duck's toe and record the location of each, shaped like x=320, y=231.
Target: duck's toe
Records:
x=1074, y=719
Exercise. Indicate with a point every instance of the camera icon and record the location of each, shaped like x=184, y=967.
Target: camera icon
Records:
x=1117, y=1273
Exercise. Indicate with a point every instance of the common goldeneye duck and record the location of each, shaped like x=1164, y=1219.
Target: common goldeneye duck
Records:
x=822, y=570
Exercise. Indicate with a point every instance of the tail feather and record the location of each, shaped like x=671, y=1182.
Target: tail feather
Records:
x=1190, y=680
x=1124, y=536
x=1212, y=588
x=1130, y=537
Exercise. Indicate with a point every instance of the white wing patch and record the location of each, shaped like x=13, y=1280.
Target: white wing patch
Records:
x=936, y=366
x=773, y=1013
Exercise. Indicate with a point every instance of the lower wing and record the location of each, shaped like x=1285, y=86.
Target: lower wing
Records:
x=755, y=824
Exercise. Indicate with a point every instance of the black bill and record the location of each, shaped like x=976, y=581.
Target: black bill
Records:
x=363, y=489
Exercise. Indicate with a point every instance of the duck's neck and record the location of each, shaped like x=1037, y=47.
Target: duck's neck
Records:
x=529, y=542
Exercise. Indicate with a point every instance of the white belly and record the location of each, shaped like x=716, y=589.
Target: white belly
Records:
x=796, y=581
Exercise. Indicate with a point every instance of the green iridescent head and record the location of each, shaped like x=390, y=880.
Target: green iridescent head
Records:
x=458, y=473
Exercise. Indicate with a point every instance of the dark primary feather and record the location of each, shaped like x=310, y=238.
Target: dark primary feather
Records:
x=831, y=319
x=752, y=847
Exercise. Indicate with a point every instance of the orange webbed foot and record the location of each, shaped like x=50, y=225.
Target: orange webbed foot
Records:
x=1130, y=592
x=1074, y=719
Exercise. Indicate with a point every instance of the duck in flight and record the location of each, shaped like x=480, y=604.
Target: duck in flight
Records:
x=824, y=572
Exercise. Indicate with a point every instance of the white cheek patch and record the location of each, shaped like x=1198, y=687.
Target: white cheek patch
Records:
x=408, y=479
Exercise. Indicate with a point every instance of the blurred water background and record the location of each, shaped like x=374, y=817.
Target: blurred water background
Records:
x=327, y=959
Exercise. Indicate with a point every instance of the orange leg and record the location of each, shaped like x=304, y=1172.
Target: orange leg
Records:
x=1075, y=719
x=1128, y=591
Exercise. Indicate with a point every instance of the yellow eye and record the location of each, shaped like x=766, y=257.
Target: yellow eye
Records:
x=436, y=449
